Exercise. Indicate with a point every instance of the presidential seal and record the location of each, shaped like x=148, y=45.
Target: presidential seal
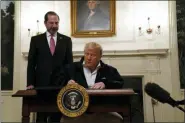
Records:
x=73, y=100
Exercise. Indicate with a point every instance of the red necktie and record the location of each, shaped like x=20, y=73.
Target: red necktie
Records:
x=52, y=45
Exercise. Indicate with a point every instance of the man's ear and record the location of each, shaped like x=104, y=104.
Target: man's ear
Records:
x=101, y=56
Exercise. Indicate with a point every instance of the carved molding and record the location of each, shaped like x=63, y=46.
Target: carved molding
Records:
x=141, y=52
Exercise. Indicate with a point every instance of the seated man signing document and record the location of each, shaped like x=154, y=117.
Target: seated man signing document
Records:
x=91, y=72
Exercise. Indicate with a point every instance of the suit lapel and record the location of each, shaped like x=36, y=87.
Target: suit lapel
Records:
x=83, y=77
x=98, y=76
x=59, y=39
x=58, y=43
x=100, y=73
x=44, y=38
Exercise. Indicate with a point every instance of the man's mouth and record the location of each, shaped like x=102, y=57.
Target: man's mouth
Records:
x=54, y=29
x=88, y=62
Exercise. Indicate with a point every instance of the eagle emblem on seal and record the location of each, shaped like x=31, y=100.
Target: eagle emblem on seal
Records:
x=73, y=100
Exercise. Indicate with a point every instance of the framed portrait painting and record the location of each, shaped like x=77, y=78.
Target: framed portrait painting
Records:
x=93, y=18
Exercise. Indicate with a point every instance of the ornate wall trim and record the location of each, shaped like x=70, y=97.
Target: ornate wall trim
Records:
x=141, y=52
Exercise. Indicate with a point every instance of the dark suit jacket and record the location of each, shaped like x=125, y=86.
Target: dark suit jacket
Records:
x=42, y=66
x=106, y=74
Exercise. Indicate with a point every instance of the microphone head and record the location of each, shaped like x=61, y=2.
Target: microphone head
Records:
x=158, y=93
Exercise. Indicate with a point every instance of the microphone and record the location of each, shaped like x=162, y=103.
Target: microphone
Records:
x=161, y=95
x=181, y=102
x=158, y=93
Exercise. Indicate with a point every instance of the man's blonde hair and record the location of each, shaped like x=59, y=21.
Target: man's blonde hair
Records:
x=94, y=45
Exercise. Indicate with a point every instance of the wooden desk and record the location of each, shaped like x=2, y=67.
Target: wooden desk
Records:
x=107, y=100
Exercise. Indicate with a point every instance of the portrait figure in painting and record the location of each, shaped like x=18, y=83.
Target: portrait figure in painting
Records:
x=93, y=15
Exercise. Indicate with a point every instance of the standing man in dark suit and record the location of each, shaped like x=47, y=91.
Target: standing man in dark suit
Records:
x=48, y=53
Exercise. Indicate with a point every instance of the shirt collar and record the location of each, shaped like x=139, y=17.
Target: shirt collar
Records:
x=48, y=34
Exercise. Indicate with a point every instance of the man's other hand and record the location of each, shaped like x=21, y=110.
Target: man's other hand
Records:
x=99, y=85
x=71, y=82
x=30, y=87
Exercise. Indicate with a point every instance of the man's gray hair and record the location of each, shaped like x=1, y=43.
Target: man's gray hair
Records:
x=94, y=45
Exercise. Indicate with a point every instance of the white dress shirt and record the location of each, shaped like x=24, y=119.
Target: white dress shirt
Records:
x=48, y=35
x=90, y=76
x=91, y=14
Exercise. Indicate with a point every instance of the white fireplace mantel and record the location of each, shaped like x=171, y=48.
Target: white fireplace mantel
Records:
x=140, y=52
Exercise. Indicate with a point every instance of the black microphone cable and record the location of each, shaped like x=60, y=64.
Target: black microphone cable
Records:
x=180, y=108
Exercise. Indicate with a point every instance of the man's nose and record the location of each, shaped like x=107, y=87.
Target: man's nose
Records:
x=54, y=25
x=89, y=57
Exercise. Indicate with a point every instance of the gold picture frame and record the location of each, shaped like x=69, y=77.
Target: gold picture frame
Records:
x=90, y=18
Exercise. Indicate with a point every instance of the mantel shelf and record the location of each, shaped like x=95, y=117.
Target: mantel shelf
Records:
x=141, y=52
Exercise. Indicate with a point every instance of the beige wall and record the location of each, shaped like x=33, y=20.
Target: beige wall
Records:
x=164, y=69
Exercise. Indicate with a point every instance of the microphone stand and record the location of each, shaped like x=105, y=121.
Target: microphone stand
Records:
x=153, y=103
